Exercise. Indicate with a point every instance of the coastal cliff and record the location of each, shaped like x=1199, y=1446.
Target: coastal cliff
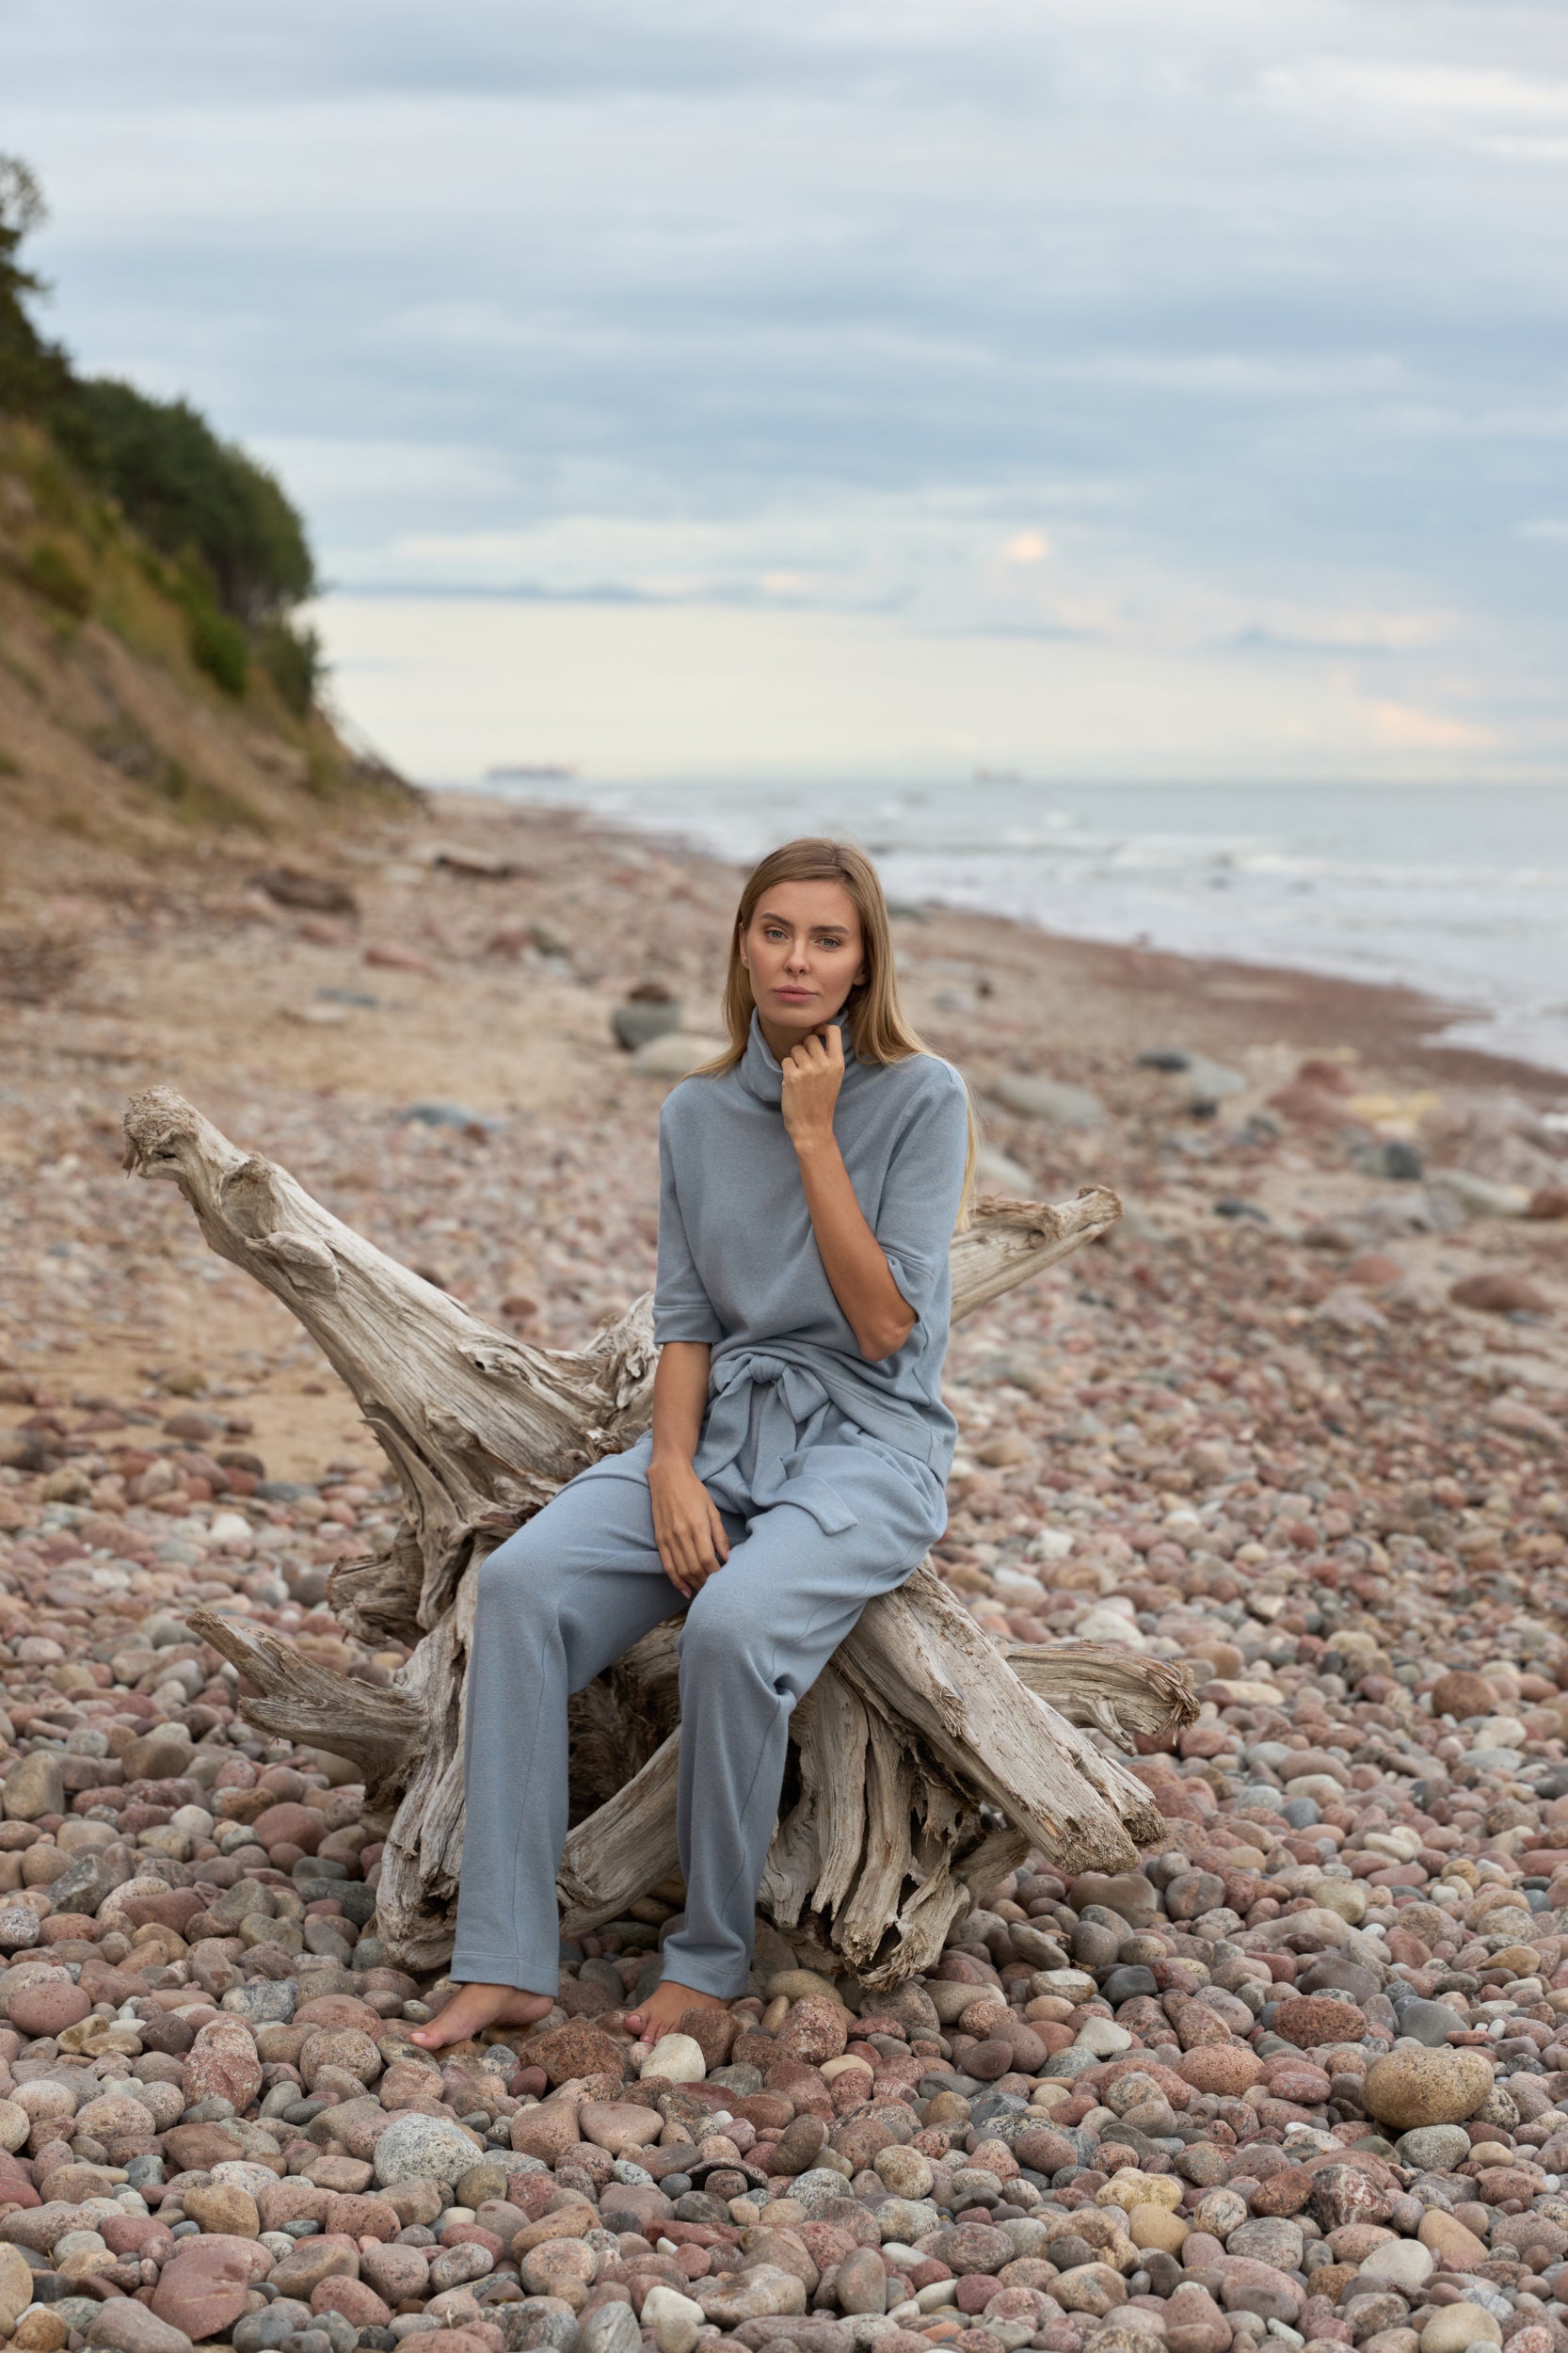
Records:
x=159, y=692
x=117, y=738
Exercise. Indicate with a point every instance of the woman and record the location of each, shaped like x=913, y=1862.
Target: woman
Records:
x=811, y=1180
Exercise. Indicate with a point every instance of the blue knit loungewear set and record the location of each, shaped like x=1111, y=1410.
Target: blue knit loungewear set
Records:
x=829, y=1473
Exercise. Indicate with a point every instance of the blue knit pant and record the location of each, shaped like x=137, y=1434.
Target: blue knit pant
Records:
x=821, y=1518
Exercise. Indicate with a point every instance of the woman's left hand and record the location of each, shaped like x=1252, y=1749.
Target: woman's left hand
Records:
x=813, y=1073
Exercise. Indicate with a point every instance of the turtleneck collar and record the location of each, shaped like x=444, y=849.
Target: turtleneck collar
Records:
x=758, y=1069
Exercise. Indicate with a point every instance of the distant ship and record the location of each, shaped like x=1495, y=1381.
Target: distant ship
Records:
x=530, y=772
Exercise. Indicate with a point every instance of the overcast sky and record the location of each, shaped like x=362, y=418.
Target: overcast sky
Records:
x=1105, y=386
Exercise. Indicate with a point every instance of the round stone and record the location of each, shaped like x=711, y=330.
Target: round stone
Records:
x=18, y=1927
x=1434, y=2148
x=815, y=2029
x=1430, y=2023
x=1454, y=2327
x=1270, y=2239
x=422, y=2148
x=906, y=2172
x=674, y=2318
x=1401, y=2264
x=1149, y=2226
x=223, y=2206
x=347, y=2048
x=1227, y=2069
x=677, y=2057
x=48, y=2006
x=1412, y=2086
x=222, y=2064
x=204, y=2289
x=1460, y=1693
x=862, y=2281
x=1311, y=2020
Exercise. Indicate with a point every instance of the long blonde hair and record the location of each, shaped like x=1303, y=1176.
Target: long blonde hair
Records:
x=878, y=1029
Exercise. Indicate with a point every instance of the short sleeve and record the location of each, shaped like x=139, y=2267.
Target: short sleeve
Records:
x=681, y=1307
x=923, y=1188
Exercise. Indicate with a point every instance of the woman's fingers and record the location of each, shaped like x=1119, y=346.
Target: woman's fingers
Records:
x=670, y=1564
x=697, y=1566
x=811, y=1053
x=691, y=1551
x=673, y=1558
x=690, y=1535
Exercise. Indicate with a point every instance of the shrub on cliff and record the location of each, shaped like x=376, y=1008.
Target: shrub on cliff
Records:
x=218, y=645
x=240, y=547
x=187, y=490
x=292, y=655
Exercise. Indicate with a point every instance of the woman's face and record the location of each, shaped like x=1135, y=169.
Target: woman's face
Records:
x=804, y=953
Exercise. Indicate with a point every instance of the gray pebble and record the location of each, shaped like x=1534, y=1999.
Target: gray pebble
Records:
x=1430, y=2023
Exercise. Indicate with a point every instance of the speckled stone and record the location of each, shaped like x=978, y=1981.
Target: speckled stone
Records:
x=422, y=2148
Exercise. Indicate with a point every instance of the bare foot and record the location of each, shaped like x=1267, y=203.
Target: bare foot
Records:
x=664, y=2008
x=476, y=2006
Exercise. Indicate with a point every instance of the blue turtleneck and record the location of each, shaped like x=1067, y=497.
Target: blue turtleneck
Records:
x=738, y=1261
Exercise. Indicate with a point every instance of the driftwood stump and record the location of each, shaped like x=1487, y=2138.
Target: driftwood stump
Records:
x=919, y=1720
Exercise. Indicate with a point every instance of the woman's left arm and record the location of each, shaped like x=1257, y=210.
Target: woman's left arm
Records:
x=852, y=1260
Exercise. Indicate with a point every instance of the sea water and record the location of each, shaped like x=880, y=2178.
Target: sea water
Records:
x=1459, y=891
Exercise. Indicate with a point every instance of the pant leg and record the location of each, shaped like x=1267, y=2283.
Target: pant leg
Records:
x=754, y=1641
x=571, y=1591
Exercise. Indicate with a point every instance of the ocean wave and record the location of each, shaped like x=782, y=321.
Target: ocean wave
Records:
x=1455, y=892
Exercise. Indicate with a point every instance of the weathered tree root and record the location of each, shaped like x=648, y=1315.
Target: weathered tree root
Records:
x=919, y=1721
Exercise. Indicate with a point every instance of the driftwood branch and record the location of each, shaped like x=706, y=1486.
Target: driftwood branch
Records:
x=1094, y=1685
x=305, y=1701
x=919, y=1720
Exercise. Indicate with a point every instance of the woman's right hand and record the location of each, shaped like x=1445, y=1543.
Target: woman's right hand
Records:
x=687, y=1528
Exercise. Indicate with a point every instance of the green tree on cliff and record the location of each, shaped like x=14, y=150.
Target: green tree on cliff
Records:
x=224, y=520
x=33, y=374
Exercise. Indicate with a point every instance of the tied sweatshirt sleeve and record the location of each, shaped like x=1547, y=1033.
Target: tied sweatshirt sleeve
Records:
x=681, y=1307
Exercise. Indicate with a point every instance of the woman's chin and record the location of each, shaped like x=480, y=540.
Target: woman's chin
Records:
x=803, y=1018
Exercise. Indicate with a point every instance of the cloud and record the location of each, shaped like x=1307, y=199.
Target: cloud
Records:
x=1404, y=728
x=1453, y=101
x=1229, y=336
x=1371, y=633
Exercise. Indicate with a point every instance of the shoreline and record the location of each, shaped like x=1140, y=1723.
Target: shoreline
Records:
x=1318, y=1006
x=445, y=986
x=1323, y=1002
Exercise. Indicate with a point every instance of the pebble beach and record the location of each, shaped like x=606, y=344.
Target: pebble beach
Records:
x=1301, y=1425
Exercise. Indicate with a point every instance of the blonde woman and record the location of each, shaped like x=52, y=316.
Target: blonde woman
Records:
x=811, y=1180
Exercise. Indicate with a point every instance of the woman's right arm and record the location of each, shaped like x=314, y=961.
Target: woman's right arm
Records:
x=686, y=1522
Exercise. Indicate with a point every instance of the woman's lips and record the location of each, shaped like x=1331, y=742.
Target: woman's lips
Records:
x=795, y=996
